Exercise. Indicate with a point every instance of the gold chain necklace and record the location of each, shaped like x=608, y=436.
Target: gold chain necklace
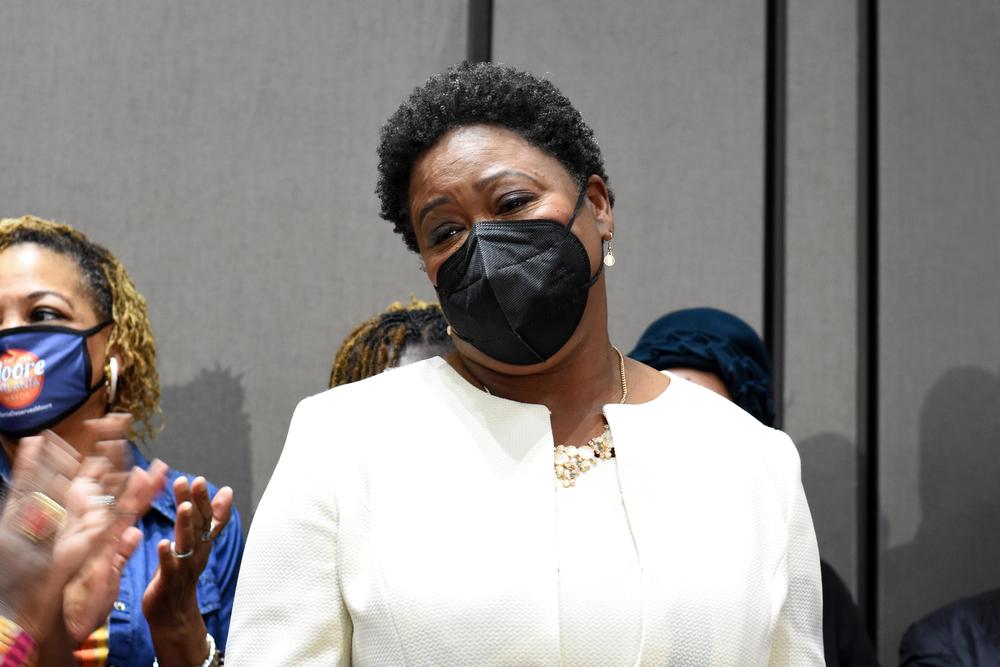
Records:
x=572, y=461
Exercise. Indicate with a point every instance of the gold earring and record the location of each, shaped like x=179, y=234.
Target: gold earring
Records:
x=609, y=259
x=450, y=331
x=112, y=373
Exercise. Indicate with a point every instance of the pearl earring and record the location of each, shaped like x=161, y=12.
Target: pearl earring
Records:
x=609, y=259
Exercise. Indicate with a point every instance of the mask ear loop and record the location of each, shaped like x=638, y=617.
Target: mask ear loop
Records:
x=112, y=373
x=576, y=208
x=569, y=228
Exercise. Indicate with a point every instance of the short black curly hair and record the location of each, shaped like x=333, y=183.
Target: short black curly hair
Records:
x=479, y=94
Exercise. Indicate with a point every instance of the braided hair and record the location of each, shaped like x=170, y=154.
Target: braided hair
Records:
x=376, y=344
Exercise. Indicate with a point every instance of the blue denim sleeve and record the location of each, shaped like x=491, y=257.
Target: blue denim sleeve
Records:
x=225, y=563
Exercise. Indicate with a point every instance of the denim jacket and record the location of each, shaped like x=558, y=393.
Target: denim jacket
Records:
x=130, y=643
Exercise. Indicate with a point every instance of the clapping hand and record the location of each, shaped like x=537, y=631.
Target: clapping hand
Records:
x=170, y=601
x=58, y=514
x=88, y=597
x=33, y=521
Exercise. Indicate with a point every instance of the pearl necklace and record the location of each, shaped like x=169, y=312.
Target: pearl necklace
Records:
x=572, y=461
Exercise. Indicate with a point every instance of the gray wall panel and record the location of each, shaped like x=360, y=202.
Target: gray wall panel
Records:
x=820, y=319
x=226, y=152
x=940, y=388
x=674, y=92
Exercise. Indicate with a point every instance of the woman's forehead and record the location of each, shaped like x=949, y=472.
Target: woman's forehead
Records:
x=30, y=267
x=469, y=154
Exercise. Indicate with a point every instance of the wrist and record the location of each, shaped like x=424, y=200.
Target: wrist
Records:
x=180, y=641
x=37, y=616
x=16, y=645
x=213, y=657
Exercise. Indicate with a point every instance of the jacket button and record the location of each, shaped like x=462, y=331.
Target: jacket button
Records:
x=119, y=606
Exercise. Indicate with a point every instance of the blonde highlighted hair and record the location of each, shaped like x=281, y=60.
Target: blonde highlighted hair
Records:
x=113, y=296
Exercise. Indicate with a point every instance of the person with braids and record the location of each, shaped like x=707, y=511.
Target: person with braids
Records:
x=399, y=336
x=533, y=498
x=76, y=345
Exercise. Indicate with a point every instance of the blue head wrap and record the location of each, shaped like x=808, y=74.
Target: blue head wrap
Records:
x=713, y=341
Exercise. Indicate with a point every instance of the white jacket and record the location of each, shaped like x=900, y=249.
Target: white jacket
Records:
x=411, y=521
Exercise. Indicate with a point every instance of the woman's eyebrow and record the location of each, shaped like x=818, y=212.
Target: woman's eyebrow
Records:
x=34, y=296
x=426, y=208
x=479, y=186
x=484, y=183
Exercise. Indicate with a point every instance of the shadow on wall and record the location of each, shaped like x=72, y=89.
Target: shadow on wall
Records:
x=206, y=432
x=957, y=547
x=829, y=468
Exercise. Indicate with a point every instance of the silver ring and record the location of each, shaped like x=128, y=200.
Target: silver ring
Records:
x=186, y=554
x=102, y=501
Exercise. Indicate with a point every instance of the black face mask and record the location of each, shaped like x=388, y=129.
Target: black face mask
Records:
x=516, y=289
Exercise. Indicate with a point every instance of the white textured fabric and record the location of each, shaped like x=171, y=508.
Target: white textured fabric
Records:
x=600, y=588
x=411, y=520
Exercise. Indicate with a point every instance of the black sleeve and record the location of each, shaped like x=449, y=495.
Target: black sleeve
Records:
x=845, y=641
x=965, y=632
x=929, y=644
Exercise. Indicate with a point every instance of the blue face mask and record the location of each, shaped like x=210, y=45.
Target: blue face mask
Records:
x=44, y=376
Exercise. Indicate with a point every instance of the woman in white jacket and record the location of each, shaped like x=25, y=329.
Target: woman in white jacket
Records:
x=535, y=498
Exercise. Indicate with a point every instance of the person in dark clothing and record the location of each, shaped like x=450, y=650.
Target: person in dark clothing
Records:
x=965, y=632
x=720, y=351
x=845, y=640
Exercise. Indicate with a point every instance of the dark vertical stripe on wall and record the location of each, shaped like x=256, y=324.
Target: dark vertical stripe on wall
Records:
x=480, y=38
x=868, y=316
x=775, y=99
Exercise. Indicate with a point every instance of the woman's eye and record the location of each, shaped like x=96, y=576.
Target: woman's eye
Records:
x=444, y=233
x=513, y=201
x=45, y=315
